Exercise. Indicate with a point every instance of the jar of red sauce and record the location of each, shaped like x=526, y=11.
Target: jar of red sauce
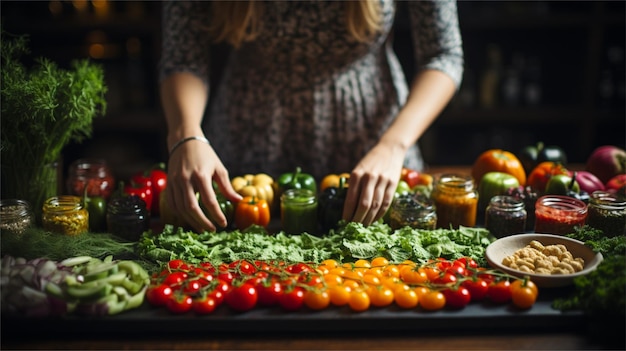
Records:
x=557, y=214
x=456, y=201
x=92, y=176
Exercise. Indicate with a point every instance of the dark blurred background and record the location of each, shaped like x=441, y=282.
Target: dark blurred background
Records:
x=550, y=71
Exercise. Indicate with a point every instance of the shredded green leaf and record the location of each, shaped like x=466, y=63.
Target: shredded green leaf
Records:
x=350, y=242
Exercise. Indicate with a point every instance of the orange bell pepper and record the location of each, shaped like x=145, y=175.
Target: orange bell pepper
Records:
x=332, y=180
x=252, y=210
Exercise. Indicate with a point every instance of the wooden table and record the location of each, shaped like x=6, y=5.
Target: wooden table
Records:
x=592, y=335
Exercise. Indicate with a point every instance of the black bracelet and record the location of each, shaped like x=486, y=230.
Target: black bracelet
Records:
x=182, y=141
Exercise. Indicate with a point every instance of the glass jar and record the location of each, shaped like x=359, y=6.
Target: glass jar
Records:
x=414, y=211
x=607, y=213
x=456, y=201
x=91, y=175
x=65, y=214
x=127, y=217
x=298, y=211
x=15, y=216
x=505, y=215
x=558, y=214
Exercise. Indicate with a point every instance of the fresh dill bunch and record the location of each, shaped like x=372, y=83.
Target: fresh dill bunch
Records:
x=43, y=108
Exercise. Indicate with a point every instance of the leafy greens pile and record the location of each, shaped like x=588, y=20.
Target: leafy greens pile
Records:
x=348, y=243
x=602, y=291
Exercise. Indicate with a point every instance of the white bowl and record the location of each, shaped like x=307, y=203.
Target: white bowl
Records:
x=507, y=246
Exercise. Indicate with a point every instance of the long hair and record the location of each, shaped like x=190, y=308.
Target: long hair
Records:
x=238, y=21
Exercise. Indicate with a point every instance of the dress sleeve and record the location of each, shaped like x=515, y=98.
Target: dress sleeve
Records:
x=437, y=37
x=185, y=45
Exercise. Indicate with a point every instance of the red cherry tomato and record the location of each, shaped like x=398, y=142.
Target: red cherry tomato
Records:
x=478, y=288
x=204, y=305
x=179, y=304
x=242, y=298
x=457, y=298
x=175, y=279
x=293, y=299
x=158, y=295
x=269, y=292
x=500, y=292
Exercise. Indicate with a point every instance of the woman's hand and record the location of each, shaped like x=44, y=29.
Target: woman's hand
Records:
x=373, y=183
x=192, y=169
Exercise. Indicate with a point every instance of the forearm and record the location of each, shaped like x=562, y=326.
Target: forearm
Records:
x=430, y=92
x=184, y=98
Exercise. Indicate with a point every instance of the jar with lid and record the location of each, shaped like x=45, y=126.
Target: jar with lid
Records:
x=15, y=216
x=505, y=215
x=607, y=213
x=298, y=211
x=65, y=214
x=91, y=177
x=456, y=201
x=127, y=217
x=558, y=214
x=412, y=210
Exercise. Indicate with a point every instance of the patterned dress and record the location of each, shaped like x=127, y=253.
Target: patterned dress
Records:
x=304, y=93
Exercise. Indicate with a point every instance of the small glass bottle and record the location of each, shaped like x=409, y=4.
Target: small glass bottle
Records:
x=15, y=216
x=607, y=213
x=91, y=175
x=127, y=217
x=414, y=211
x=298, y=211
x=557, y=214
x=65, y=214
x=505, y=215
x=456, y=201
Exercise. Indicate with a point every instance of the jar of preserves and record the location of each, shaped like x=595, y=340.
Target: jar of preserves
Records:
x=412, y=210
x=65, y=214
x=456, y=201
x=298, y=211
x=607, y=213
x=91, y=177
x=127, y=217
x=558, y=214
x=15, y=216
x=505, y=215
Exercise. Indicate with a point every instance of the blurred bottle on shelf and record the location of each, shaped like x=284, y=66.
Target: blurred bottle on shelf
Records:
x=533, y=87
x=491, y=76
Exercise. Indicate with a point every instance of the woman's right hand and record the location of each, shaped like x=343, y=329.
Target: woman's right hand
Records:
x=192, y=168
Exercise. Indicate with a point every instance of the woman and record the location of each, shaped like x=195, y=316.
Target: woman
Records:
x=314, y=84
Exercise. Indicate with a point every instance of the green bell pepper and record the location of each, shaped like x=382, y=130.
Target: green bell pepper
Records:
x=96, y=206
x=330, y=206
x=296, y=180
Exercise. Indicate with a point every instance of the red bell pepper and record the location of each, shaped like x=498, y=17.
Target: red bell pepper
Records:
x=142, y=188
x=156, y=179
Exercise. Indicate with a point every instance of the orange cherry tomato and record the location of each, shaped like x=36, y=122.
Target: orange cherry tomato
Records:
x=497, y=160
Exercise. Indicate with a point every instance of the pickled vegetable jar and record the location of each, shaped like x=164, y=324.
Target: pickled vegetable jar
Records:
x=65, y=214
x=298, y=211
x=413, y=211
x=15, y=216
x=92, y=176
x=607, y=213
x=505, y=215
x=456, y=201
x=558, y=214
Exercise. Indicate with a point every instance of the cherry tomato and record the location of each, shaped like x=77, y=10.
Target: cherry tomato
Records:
x=500, y=292
x=457, y=298
x=478, y=288
x=359, y=300
x=242, y=298
x=446, y=278
x=298, y=268
x=175, y=279
x=208, y=266
x=406, y=298
x=178, y=264
x=158, y=295
x=381, y=296
x=316, y=299
x=226, y=275
x=432, y=300
x=413, y=275
x=524, y=293
x=269, y=292
x=339, y=294
x=243, y=266
x=217, y=295
x=204, y=305
x=179, y=303
x=293, y=299
x=192, y=287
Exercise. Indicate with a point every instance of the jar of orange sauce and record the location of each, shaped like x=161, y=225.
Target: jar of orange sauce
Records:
x=456, y=201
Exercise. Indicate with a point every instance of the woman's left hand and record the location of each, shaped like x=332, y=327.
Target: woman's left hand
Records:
x=373, y=183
